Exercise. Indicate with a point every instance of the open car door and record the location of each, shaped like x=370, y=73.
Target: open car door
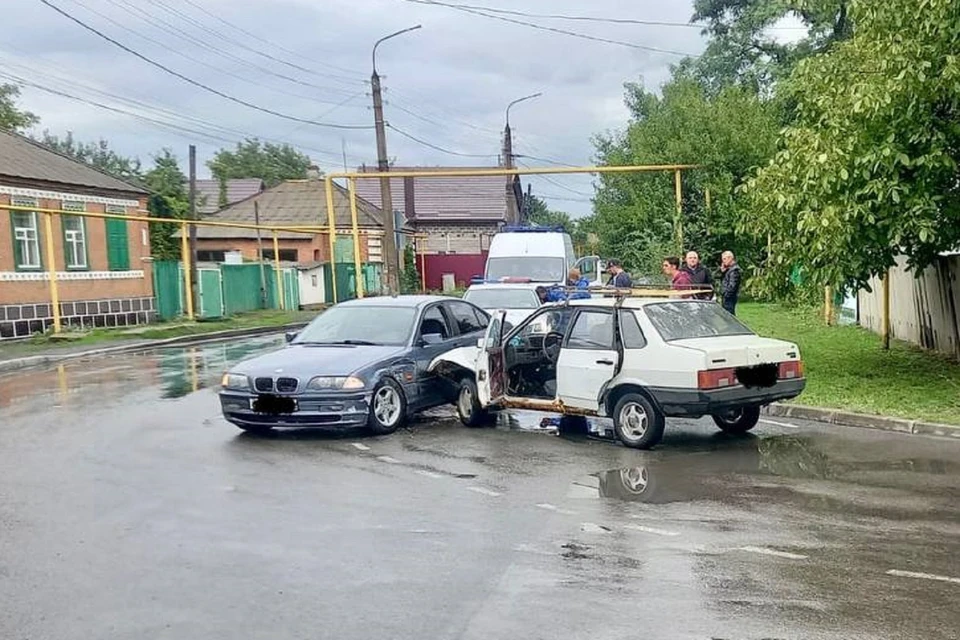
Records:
x=591, y=268
x=491, y=375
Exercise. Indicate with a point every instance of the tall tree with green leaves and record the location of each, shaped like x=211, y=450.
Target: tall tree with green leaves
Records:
x=168, y=199
x=96, y=154
x=12, y=117
x=870, y=168
x=540, y=214
x=252, y=158
x=728, y=134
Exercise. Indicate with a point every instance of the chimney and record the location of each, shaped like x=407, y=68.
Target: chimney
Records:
x=313, y=172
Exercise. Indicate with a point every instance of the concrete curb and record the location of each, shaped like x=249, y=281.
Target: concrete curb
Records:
x=849, y=419
x=16, y=364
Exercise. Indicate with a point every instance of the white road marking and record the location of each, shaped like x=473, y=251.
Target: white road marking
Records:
x=361, y=447
x=779, y=424
x=429, y=474
x=773, y=552
x=484, y=491
x=589, y=527
x=656, y=532
x=924, y=576
x=388, y=459
x=549, y=507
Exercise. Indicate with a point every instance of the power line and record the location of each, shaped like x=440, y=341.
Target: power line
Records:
x=194, y=82
x=541, y=27
x=250, y=34
x=438, y=148
x=556, y=16
x=555, y=182
x=547, y=160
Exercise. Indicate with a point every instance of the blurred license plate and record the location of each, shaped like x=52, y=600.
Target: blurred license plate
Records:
x=273, y=404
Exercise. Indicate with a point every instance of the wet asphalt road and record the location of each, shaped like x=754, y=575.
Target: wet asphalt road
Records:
x=130, y=509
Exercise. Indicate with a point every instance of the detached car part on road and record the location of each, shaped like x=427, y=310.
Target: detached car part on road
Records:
x=636, y=360
x=360, y=363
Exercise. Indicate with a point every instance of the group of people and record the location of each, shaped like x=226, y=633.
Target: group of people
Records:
x=693, y=275
x=689, y=275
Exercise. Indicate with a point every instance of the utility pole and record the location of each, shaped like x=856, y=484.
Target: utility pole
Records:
x=263, y=275
x=513, y=214
x=391, y=263
x=195, y=293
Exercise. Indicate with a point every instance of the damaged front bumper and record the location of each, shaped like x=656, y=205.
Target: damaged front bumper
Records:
x=311, y=411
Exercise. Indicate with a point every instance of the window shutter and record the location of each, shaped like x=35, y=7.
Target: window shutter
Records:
x=118, y=245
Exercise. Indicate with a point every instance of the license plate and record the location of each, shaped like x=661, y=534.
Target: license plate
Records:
x=273, y=405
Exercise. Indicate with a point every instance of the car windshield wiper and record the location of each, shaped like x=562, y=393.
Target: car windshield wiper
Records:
x=357, y=343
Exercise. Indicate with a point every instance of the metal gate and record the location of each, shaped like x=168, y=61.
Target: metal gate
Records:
x=166, y=288
x=211, y=293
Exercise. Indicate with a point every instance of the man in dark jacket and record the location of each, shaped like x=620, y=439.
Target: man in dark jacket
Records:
x=730, y=284
x=618, y=277
x=700, y=276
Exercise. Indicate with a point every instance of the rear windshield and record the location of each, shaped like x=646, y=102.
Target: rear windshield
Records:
x=537, y=268
x=503, y=298
x=686, y=320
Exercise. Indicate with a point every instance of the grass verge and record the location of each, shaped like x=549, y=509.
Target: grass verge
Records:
x=47, y=343
x=847, y=369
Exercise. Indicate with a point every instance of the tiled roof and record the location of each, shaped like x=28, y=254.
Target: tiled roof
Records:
x=208, y=193
x=471, y=198
x=291, y=203
x=23, y=158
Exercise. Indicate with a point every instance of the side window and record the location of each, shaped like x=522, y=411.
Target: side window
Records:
x=592, y=330
x=434, y=322
x=551, y=321
x=464, y=317
x=630, y=331
x=483, y=318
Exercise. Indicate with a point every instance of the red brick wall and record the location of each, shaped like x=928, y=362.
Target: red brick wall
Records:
x=309, y=248
x=39, y=290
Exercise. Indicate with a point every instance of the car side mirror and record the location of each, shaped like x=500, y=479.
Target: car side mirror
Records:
x=432, y=338
x=290, y=335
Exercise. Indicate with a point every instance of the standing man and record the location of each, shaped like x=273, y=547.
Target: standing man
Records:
x=679, y=278
x=618, y=277
x=730, y=284
x=700, y=276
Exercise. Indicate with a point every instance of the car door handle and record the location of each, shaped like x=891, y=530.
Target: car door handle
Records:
x=610, y=362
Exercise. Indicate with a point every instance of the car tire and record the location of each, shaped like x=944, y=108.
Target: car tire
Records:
x=469, y=411
x=637, y=422
x=388, y=408
x=738, y=421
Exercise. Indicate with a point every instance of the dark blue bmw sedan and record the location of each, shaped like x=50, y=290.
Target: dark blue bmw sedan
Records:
x=360, y=363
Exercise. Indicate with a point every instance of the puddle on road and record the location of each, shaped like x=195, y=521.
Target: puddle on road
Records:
x=175, y=371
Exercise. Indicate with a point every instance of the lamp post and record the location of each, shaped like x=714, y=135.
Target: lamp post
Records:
x=513, y=215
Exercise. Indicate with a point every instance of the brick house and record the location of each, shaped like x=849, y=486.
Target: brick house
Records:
x=458, y=216
x=292, y=203
x=103, y=266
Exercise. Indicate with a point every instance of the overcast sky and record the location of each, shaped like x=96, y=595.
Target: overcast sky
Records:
x=446, y=84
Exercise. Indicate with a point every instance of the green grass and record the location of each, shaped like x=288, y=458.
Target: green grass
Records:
x=159, y=331
x=847, y=369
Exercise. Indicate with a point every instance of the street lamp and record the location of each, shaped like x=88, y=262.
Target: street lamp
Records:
x=391, y=260
x=518, y=100
x=513, y=214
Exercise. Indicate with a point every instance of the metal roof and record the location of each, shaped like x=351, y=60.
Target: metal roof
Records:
x=439, y=199
x=26, y=159
x=208, y=192
x=291, y=203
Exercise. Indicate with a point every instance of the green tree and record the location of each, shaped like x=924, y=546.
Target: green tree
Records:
x=96, y=154
x=869, y=170
x=255, y=159
x=728, y=134
x=168, y=199
x=410, y=276
x=12, y=118
x=540, y=214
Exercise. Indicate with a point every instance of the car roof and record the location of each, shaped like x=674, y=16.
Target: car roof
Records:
x=526, y=286
x=630, y=303
x=412, y=301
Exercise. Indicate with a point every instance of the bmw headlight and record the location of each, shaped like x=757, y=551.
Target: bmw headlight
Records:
x=329, y=383
x=235, y=381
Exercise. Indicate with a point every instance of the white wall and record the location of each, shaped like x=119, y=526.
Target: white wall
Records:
x=311, y=287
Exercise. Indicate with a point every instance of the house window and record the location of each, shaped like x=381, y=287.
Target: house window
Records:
x=118, y=242
x=286, y=255
x=26, y=239
x=74, y=242
x=211, y=255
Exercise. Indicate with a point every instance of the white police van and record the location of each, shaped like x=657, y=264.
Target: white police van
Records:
x=540, y=254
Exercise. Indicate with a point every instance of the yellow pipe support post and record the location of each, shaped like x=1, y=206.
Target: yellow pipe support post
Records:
x=358, y=274
x=678, y=221
x=185, y=259
x=277, y=272
x=828, y=305
x=52, y=270
x=885, y=319
x=332, y=231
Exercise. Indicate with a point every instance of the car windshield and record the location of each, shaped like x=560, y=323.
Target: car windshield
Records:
x=360, y=325
x=503, y=298
x=537, y=268
x=686, y=320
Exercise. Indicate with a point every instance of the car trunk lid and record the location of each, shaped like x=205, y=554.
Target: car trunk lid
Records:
x=724, y=352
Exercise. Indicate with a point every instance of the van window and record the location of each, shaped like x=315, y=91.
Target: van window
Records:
x=537, y=268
